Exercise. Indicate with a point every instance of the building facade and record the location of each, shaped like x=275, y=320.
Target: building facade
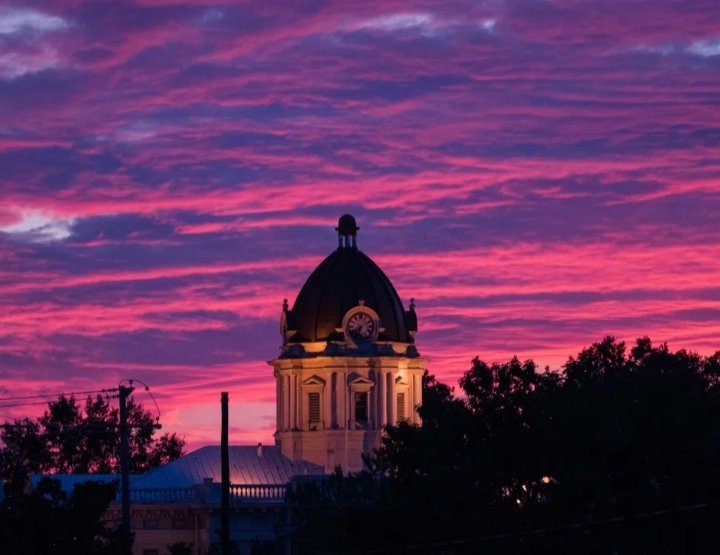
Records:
x=179, y=503
x=348, y=364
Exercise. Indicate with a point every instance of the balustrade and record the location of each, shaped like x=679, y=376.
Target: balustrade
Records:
x=164, y=495
x=208, y=493
x=261, y=492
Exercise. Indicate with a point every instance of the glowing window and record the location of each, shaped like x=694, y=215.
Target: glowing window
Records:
x=401, y=407
x=314, y=407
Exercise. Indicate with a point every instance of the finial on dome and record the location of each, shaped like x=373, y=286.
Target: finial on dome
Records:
x=285, y=305
x=412, y=304
x=347, y=230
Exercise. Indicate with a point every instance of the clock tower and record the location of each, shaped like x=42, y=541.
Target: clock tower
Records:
x=348, y=365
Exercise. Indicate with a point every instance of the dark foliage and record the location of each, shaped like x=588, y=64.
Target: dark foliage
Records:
x=617, y=453
x=68, y=440
x=48, y=520
x=180, y=548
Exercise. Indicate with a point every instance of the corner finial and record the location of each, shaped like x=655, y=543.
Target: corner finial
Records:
x=412, y=304
x=285, y=305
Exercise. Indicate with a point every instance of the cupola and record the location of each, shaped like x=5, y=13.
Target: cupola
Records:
x=347, y=280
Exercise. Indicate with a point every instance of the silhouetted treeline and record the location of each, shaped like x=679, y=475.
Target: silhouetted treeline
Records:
x=617, y=453
x=48, y=520
x=69, y=440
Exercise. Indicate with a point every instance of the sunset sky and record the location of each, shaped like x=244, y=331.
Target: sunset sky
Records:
x=536, y=174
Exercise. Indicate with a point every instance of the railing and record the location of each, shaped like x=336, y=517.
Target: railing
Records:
x=208, y=493
x=259, y=492
x=165, y=495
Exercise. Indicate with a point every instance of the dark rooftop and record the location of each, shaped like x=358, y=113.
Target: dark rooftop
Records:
x=338, y=284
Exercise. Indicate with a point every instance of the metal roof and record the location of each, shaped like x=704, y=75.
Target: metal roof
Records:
x=249, y=465
x=257, y=475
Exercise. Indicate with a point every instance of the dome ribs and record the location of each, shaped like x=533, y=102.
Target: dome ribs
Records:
x=390, y=296
x=339, y=282
x=336, y=286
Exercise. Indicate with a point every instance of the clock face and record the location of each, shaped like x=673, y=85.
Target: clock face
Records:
x=360, y=326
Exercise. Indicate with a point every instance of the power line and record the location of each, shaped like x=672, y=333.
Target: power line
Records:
x=24, y=403
x=62, y=393
x=147, y=388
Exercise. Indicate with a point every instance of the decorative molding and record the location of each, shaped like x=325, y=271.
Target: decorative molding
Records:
x=314, y=380
x=360, y=383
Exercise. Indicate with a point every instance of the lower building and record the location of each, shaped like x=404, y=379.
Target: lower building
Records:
x=179, y=503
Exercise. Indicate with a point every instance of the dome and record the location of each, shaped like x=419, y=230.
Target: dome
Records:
x=345, y=279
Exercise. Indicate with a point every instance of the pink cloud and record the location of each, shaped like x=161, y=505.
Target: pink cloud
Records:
x=535, y=184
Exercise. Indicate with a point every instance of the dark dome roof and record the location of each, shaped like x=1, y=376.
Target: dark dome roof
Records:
x=337, y=285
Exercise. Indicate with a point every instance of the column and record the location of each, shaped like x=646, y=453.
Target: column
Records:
x=327, y=409
x=293, y=402
x=341, y=394
x=373, y=402
x=298, y=403
x=351, y=409
x=417, y=394
x=278, y=403
x=286, y=404
x=333, y=400
x=392, y=400
x=382, y=397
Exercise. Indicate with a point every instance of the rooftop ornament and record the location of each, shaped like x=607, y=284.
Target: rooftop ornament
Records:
x=347, y=229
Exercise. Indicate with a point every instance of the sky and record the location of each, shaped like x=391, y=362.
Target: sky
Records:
x=536, y=174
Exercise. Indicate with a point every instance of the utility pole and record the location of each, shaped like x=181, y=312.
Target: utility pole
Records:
x=287, y=543
x=124, y=392
x=225, y=477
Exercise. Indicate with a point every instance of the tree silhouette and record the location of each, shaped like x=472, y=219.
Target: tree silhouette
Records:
x=69, y=440
x=616, y=453
x=49, y=520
